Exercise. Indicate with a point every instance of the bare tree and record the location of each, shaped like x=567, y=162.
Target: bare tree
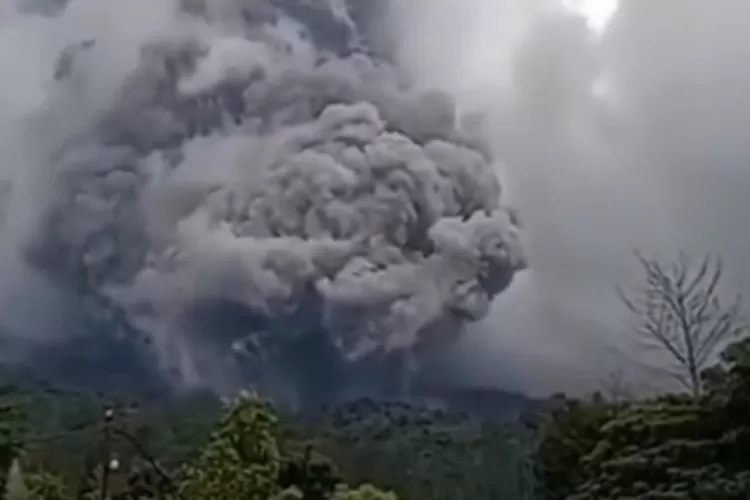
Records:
x=678, y=310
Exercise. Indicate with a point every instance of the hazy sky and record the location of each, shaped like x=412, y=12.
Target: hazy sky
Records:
x=631, y=137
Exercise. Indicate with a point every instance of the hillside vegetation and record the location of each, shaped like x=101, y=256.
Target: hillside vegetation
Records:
x=671, y=447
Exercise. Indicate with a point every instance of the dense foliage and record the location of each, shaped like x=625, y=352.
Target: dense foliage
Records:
x=200, y=450
x=671, y=447
x=424, y=453
x=12, y=430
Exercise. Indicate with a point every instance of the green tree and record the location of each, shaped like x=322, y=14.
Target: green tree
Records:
x=242, y=458
x=364, y=492
x=573, y=429
x=423, y=453
x=674, y=447
x=46, y=486
x=730, y=397
x=312, y=475
x=15, y=487
x=247, y=458
x=664, y=448
x=13, y=430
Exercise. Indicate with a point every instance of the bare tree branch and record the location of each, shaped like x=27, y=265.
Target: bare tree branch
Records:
x=678, y=310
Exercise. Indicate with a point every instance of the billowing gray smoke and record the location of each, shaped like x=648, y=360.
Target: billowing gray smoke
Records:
x=258, y=183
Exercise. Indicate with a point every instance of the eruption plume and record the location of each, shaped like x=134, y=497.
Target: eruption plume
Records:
x=249, y=179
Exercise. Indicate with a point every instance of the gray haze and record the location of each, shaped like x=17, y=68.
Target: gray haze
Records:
x=631, y=140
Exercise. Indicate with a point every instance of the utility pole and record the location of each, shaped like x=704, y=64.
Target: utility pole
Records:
x=109, y=414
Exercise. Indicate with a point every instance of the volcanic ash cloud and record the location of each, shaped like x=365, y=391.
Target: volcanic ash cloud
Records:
x=239, y=163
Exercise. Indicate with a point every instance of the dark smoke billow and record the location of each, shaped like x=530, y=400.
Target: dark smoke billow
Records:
x=261, y=199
